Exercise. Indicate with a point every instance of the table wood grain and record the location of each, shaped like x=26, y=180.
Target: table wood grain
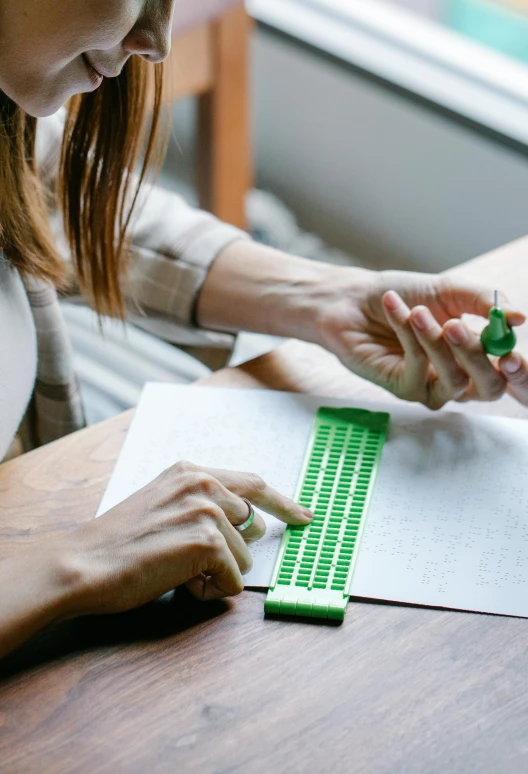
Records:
x=180, y=687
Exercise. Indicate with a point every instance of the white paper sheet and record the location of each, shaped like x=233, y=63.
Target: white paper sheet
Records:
x=448, y=525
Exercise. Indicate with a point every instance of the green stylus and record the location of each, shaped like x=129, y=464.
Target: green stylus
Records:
x=498, y=338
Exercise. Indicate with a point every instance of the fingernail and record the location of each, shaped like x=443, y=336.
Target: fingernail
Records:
x=510, y=309
x=423, y=319
x=456, y=334
x=307, y=514
x=515, y=318
x=512, y=365
x=392, y=301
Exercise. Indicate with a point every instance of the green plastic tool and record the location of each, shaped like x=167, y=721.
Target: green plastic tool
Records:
x=498, y=338
x=314, y=569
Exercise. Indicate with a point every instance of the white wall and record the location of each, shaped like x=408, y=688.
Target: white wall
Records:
x=374, y=173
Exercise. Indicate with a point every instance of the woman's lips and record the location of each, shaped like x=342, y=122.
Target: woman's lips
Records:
x=102, y=71
x=96, y=78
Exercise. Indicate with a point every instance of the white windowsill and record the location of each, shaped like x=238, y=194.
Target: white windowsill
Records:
x=415, y=54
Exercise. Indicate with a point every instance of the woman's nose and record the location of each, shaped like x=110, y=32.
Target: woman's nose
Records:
x=152, y=35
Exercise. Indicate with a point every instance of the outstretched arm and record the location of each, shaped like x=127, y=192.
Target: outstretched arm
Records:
x=400, y=330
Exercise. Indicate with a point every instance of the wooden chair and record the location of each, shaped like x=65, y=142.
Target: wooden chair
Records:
x=211, y=61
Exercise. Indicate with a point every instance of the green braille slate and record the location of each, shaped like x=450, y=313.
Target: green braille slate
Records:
x=314, y=569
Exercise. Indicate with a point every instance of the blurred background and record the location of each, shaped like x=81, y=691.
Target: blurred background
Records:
x=500, y=24
x=396, y=130
x=385, y=133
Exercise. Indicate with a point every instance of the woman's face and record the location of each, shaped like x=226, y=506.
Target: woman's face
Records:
x=53, y=49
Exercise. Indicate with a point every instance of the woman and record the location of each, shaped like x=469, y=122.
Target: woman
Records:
x=399, y=330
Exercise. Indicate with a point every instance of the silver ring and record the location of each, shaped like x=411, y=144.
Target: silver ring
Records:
x=250, y=519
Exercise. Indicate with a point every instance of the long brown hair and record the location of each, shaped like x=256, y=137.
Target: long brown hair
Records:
x=106, y=132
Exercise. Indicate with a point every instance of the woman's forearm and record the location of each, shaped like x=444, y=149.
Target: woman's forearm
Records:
x=37, y=588
x=255, y=288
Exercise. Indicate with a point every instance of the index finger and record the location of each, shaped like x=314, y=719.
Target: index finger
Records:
x=258, y=492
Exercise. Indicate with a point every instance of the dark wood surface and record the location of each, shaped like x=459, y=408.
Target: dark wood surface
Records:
x=180, y=687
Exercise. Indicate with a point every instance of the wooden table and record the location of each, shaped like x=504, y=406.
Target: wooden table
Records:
x=180, y=687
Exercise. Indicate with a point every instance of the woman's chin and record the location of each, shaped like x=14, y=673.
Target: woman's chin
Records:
x=43, y=111
x=36, y=105
x=41, y=103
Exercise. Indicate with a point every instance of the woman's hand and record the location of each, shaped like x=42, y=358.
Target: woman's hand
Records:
x=402, y=331
x=180, y=529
